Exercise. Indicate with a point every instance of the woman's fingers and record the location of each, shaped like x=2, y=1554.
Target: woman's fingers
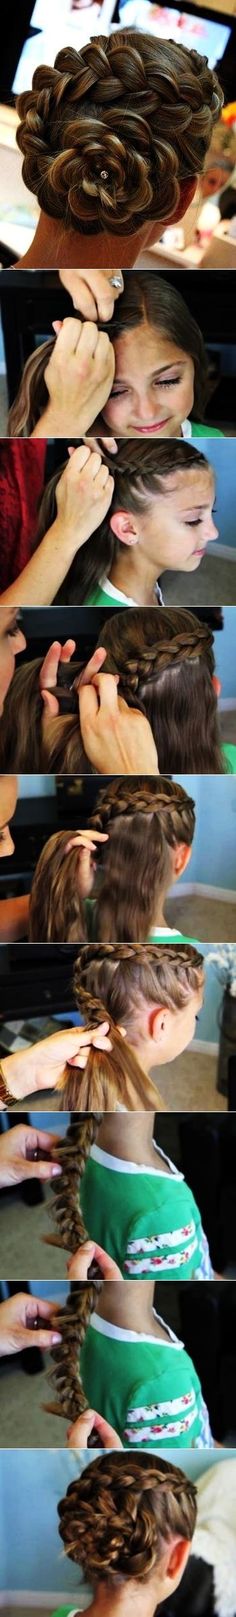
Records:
x=79, y=1433
x=83, y=840
x=56, y=653
x=92, y=668
x=79, y=1264
x=93, y=292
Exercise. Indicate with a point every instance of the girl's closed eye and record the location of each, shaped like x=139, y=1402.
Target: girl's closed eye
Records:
x=14, y=626
x=168, y=381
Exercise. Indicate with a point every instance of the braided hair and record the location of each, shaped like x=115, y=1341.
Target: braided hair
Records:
x=165, y=661
x=118, y=1517
x=139, y=472
x=112, y=132
x=114, y=982
x=145, y=819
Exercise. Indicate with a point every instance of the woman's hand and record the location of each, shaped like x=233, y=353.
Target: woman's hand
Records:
x=78, y=377
x=19, y=1155
x=79, y=1433
x=43, y=1065
x=79, y=1264
x=92, y=291
x=83, y=497
x=116, y=738
x=87, y=844
x=18, y=1324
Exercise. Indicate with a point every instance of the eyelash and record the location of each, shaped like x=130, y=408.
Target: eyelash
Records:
x=197, y=520
x=14, y=627
x=173, y=382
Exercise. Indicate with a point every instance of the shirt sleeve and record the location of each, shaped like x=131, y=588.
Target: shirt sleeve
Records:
x=165, y=1247
x=164, y=1414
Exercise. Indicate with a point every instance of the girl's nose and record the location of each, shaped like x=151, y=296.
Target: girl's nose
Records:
x=7, y=846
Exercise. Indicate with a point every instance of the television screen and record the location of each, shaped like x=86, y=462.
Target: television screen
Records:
x=64, y=22
x=196, y=32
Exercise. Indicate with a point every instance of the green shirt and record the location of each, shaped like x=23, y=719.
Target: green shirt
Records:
x=230, y=754
x=145, y=1218
x=146, y=1387
x=67, y=1611
x=199, y=431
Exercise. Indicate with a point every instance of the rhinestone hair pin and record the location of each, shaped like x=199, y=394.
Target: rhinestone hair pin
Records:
x=104, y=174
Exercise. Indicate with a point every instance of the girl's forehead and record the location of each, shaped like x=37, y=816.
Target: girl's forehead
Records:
x=149, y=346
x=190, y=483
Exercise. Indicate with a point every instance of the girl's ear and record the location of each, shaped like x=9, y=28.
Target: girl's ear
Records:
x=187, y=193
x=123, y=525
x=216, y=685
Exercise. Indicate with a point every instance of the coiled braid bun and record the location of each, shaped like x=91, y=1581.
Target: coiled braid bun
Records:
x=118, y=1517
x=111, y=133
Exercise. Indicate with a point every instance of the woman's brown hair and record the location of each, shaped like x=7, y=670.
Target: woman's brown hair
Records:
x=146, y=297
x=117, y=1518
x=112, y=132
x=112, y=983
x=145, y=819
x=139, y=472
x=165, y=661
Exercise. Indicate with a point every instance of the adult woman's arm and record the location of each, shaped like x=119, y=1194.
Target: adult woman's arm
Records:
x=79, y=379
x=83, y=496
x=42, y=1065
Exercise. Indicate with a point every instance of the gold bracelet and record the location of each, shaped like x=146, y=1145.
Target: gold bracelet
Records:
x=8, y=1100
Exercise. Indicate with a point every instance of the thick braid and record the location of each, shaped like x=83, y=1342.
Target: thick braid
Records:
x=72, y=1321
x=166, y=801
x=72, y=1153
x=109, y=133
x=118, y=1516
x=152, y=661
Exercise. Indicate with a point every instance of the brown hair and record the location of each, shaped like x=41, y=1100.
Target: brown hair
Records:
x=146, y=297
x=73, y=1321
x=146, y=818
x=108, y=984
x=110, y=134
x=165, y=661
x=139, y=472
x=117, y=1518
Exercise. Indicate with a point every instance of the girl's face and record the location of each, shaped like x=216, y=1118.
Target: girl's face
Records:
x=8, y=799
x=12, y=641
x=153, y=388
x=176, y=529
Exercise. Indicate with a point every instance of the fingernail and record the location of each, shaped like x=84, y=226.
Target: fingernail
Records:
x=56, y=326
x=56, y=1169
x=56, y=1337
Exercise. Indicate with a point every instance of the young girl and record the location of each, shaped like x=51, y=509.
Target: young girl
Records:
x=166, y=667
x=120, y=1188
x=160, y=517
x=128, y=1525
x=145, y=846
x=120, y=1357
x=113, y=138
x=156, y=364
x=151, y=997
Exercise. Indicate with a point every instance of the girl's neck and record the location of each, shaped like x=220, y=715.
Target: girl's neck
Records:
x=53, y=247
x=129, y=1136
x=133, y=1599
x=135, y=575
x=129, y=1304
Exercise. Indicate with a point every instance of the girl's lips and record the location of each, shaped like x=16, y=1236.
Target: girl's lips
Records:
x=156, y=427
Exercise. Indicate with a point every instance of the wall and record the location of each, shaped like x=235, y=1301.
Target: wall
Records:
x=221, y=453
